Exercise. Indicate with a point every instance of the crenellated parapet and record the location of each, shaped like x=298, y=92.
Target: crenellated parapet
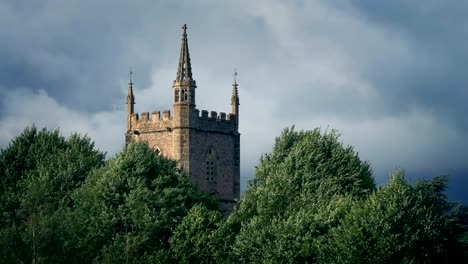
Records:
x=215, y=122
x=153, y=122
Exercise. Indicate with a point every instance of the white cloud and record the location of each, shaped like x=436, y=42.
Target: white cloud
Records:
x=24, y=108
x=416, y=141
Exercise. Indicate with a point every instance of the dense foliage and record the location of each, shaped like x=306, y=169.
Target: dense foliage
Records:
x=38, y=172
x=62, y=203
x=399, y=223
x=301, y=190
x=129, y=208
x=312, y=201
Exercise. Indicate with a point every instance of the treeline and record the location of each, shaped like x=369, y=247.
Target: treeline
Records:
x=312, y=201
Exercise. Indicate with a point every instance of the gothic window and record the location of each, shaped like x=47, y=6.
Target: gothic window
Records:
x=155, y=147
x=176, y=95
x=211, y=168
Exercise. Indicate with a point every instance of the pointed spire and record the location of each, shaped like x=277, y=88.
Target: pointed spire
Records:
x=130, y=88
x=130, y=104
x=130, y=96
x=235, y=99
x=184, y=71
x=235, y=91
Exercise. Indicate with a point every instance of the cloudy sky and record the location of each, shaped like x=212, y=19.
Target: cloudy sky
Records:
x=391, y=76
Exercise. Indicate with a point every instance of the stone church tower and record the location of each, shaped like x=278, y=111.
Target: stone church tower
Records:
x=207, y=146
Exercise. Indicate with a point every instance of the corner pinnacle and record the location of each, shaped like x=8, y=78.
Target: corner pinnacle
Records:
x=235, y=91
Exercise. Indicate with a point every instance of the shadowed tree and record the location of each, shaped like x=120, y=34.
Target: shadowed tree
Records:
x=127, y=211
x=399, y=223
x=301, y=189
x=39, y=170
x=196, y=239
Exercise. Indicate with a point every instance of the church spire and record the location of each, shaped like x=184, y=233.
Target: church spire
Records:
x=184, y=85
x=130, y=100
x=235, y=99
x=184, y=71
x=130, y=97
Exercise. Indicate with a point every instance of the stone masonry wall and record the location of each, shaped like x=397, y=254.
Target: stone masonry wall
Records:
x=226, y=171
x=158, y=139
x=156, y=131
x=187, y=137
x=213, y=121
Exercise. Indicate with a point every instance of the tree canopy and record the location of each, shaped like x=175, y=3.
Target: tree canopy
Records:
x=127, y=210
x=61, y=202
x=301, y=189
x=39, y=170
x=313, y=200
x=399, y=223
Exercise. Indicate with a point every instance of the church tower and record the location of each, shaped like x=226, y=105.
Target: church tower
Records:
x=184, y=104
x=205, y=144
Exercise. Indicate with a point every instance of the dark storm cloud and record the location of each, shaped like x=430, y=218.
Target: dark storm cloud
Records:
x=77, y=51
x=80, y=51
x=66, y=64
x=436, y=77
x=396, y=87
x=389, y=75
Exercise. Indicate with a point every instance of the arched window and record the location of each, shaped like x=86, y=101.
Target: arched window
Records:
x=156, y=147
x=211, y=168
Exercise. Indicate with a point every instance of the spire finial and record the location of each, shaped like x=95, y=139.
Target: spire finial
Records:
x=184, y=71
x=131, y=72
x=235, y=76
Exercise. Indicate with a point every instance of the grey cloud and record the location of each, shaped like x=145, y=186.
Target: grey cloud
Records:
x=390, y=79
x=435, y=78
x=26, y=107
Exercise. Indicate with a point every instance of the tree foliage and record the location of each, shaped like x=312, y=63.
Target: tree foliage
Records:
x=39, y=170
x=399, y=223
x=196, y=239
x=300, y=191
x=312, y=201
x=127, y=211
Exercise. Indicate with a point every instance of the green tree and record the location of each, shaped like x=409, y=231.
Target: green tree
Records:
x=39, y=170
x=196, y=239
x=399, y=223
x=301, y=189
x=127, y=211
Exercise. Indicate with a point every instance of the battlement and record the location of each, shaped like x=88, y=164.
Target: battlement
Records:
x=152, y=123
x=215, y=122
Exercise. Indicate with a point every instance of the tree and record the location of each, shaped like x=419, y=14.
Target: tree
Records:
x=39, y=170
x=196, y=239
x=127, y=211
x=398, y=223
x=301, y=189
